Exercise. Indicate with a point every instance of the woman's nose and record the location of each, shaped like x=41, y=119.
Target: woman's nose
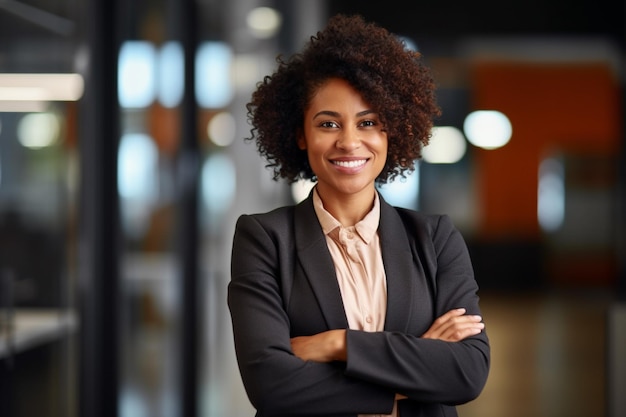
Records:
x=348, y=140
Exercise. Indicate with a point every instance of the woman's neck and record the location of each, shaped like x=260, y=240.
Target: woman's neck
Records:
x=348, y=209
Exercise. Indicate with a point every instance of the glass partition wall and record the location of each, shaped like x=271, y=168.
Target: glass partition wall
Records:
x=39, y=92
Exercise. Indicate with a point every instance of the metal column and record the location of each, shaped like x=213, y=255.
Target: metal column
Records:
x=188, y=164
x=99, y=276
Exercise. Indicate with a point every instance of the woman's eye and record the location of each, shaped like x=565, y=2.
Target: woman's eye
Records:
x=329, y=124
x=368, y=123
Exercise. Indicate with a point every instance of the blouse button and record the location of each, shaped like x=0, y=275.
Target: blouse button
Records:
x=368, y=319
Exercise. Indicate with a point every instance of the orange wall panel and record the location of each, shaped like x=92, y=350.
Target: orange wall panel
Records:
x=551, y=106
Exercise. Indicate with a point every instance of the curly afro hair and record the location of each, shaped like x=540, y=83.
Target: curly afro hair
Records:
x=377, y=64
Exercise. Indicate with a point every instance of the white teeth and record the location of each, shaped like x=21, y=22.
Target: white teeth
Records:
x=350, y=164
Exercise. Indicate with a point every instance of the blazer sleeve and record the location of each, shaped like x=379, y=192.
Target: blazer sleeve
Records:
x=426, y=370
x=276, y=381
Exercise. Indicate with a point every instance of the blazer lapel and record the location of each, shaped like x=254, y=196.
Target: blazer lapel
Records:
x=400, y=268
x=317, y=264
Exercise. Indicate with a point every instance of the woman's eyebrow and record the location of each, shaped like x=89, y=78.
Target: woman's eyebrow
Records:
x=365, y=113
x=327, y=113
x=337, y=114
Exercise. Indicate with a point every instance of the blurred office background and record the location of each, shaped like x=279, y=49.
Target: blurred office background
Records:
x=123, y=169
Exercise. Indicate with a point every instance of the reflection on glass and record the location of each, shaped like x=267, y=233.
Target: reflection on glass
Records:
x=551, y=195
x=213, y=82
x=218, y=183
x=137, y=74
x=170, y=71
x=137, y=167
x=132, y=404
x=137, y=181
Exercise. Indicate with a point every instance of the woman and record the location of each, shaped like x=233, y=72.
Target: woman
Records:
x=344, y=305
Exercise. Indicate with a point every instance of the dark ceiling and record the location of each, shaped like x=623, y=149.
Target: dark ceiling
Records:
x=26, y=24
x=38, y=18
x=433, y=18
x=450, y=20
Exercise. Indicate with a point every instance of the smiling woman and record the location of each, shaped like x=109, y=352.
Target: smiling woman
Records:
x=343, y=304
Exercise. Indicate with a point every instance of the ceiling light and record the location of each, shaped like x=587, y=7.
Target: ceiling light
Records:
x=446, y=146
x=41, y=87
x=487, y=129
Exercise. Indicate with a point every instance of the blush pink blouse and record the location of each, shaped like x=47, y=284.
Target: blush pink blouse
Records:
x=360, y=272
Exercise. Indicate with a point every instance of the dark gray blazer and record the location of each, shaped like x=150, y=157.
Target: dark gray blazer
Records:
x=284, y=285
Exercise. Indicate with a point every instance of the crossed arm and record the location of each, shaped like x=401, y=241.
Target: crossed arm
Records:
x=330, y=346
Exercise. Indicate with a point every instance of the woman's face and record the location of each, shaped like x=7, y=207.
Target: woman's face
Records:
x=345, y=140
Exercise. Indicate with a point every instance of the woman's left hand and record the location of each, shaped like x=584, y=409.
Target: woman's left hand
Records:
x=455, y=326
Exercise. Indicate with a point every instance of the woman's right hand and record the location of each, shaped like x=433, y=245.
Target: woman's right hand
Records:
x=455, y=326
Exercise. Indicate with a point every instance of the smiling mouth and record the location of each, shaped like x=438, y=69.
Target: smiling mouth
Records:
x=350, y=164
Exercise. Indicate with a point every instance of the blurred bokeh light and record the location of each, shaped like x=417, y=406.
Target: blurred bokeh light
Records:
x=447, y=146
x=487, y=129
x=137, y=74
